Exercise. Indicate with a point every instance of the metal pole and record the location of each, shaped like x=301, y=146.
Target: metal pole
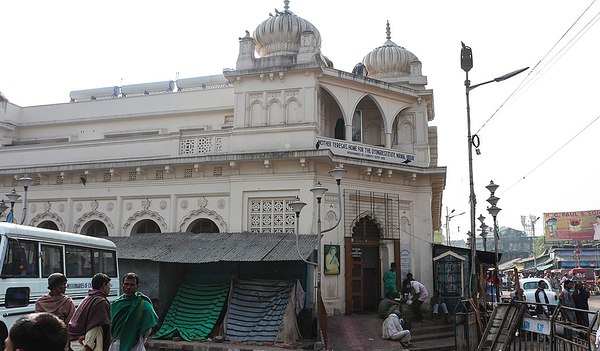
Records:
x=496, y=260
x=319, y=343
x=533, y=240
x=472, y=199
x=24, y=205
x=447, y=227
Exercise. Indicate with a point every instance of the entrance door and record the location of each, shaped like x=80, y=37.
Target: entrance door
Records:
x=365, y=277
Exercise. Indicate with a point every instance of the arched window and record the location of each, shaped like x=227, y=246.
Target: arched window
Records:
x=203, y=225
x=94, y=228
x=145, y=226
x=339, y=131
x=366, y=228
x=48, y=225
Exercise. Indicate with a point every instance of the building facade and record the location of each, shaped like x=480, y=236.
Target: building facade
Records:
x=229, y=152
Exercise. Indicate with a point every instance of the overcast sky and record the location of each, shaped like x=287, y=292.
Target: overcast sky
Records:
x=49, y=48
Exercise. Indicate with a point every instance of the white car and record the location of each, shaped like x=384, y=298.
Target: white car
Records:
x=530, y=285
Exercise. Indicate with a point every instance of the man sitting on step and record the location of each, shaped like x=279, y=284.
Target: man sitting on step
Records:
x=392, y=329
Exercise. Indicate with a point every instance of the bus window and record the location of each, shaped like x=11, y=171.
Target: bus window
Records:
x=105, y=262
x=79, y=262
x=17, y=297
x=52, y=260
x=21, y=259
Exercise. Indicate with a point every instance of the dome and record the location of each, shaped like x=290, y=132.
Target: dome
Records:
x=389, y=60
x=280, y=34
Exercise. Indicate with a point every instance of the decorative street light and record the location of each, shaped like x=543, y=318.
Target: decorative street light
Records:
x=26, y=182
x=319, y=191
x=449, y=216
x=534, y=219
x=12, y=198
x=466, y=63
x=494, y=210
x=484, y=229
x=297, y=207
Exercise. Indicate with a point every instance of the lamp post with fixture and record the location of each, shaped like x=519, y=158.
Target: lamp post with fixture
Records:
x=319, y=192
x=494, y=210
x=466, y=63
x=449, y=216
x=484, y=229
x=13, y=196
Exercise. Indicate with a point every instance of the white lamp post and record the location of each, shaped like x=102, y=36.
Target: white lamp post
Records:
x=319, y=191
x=12, y=198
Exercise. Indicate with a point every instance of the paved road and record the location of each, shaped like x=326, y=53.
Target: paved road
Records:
x=594, y=302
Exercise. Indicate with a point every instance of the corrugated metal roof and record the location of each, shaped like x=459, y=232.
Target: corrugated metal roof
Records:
x=214, y=247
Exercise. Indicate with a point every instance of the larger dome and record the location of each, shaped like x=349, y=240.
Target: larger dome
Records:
x=389, y=60
x=280, y=34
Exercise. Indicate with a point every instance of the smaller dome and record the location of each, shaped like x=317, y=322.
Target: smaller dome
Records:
x=280, y=34
x=389, y=60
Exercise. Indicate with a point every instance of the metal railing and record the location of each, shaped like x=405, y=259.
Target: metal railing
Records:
x=558, y=328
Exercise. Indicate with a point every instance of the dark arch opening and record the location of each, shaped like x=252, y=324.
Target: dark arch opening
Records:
x=94, y=228
x=366, y=228
x=203, y=225
x=48, y=225
x=145, y=226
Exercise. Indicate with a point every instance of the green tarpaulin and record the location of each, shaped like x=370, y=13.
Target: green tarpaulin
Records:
x=194, y=312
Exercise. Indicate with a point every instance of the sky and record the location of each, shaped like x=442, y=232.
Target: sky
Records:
x=537, y=130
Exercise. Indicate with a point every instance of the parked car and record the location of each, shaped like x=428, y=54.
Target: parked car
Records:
x=530, y=285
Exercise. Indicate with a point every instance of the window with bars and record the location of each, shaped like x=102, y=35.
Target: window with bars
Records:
x=272, y=216
x=132, y=175
x=449, y=277
x=107, y=177
x=188, y=173
x=218, y=171
x=159, y=174
x=60, y=179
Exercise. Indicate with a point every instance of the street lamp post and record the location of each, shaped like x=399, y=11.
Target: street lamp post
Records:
x=12, y=198
x=26, y=182
x=484, y=229
x=449, y=216
x=534, y=219
x=494, y=210
x=466, y=63
x=319, y=191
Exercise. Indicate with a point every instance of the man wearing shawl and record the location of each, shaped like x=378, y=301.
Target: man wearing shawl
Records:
x=89, y=328
x=132, y=317
x=56, y=302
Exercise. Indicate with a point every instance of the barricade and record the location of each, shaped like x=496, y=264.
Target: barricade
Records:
x=559, y=328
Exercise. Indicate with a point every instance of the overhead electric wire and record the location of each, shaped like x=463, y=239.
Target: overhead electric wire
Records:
x=551, y=155
x=526, y=79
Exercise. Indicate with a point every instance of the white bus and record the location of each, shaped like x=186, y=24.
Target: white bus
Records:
x=29, y=255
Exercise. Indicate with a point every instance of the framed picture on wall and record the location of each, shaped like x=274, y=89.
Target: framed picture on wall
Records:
x=332, y=259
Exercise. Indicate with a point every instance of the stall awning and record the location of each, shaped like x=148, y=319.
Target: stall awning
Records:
x=544, y=267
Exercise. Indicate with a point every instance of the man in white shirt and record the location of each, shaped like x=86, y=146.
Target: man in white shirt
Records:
x=419, y=295
x=392, y=329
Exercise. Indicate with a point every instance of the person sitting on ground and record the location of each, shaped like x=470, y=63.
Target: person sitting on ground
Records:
x=387, y=306
x=437, y=303
x=392, y=329
x=37, y=332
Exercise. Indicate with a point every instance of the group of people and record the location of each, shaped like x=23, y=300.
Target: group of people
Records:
x=95, y=325
x=389, y=308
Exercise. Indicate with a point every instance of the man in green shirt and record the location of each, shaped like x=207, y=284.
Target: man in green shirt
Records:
x=132, y=316
x=389, y=281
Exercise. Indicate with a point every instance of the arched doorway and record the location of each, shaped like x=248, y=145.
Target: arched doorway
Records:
x=48, y=225
x=145, y=226
x=94, y=228
x=203, y=225
x=366, y=272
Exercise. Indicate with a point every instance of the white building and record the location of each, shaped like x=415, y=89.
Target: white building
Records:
x=228, y=152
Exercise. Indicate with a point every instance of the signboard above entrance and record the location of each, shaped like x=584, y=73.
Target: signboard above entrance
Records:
x=363, y=151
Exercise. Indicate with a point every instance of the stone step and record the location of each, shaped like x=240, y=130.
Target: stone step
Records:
x=432, y=336
x=445, y=344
